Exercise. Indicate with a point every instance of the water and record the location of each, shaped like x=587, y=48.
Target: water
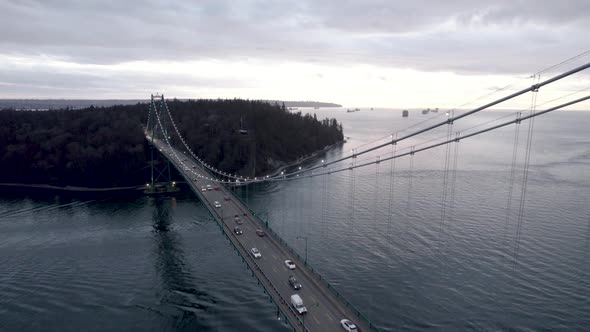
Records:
x=161, y=264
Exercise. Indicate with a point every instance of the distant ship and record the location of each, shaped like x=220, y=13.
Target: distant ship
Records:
x=434, y=110
x=426, y=111
x=353, y=110
x=316, y=107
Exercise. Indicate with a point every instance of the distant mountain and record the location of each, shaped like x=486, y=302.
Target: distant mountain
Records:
x=304, y=103
x=52, y=104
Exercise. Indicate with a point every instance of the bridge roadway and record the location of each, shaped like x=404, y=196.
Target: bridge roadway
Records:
x=325, y=309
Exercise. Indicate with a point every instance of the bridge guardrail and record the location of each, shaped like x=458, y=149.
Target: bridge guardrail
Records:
x=315, y=274
x=246, y=256
x=286, y=245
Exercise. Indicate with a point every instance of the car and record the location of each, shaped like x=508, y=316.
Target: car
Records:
x=290, y=265
x=195, y=179
x=297, y=303
x=294, y=283
x=238, y=220
x=209, y=187
x=238, y=230
x=256, y=253
x=217, y=204
x=260, y=232
x=348, y=325
x=194, y=166
x=217, y=188
x=226, y=198
x=203, y=189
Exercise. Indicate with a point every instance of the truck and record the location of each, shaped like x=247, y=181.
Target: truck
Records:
x=297, y=303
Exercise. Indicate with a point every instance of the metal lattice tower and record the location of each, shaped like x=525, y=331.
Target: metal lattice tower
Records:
x=161, y=179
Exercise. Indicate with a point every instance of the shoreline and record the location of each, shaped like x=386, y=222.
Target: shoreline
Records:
x=69, y=189
x=306, y=158
x=47, y=188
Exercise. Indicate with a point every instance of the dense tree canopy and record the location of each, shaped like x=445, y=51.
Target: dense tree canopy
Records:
x=250, y=137
x=105, y=147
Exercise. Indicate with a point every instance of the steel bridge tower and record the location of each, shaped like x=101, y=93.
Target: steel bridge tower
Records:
x=161, y=179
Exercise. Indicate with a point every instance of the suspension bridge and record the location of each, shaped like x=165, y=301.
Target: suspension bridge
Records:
x=326, y=307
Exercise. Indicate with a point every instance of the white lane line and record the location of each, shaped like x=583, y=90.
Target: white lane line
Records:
x=317, y=320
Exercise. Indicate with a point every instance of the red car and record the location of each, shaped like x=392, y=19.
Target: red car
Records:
x=226, y=198
x=217, y=188
x=260, y=232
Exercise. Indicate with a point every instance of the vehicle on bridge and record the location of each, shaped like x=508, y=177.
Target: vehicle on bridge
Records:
x=260, y=232
x=209, y=187
x=226, y=198
x=217, y=188
x=348, y=325
x=238, y=220
x=290, y=265
x=203, y=189
x=217, y=204
x=294, y=283
x=238, y=230
x=256, y=253
x=297, y=303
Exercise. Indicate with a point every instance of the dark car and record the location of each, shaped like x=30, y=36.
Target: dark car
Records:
x=260, y=232
x=238, y=220
x=226, y=198
x=238, y=230
x=294, y=283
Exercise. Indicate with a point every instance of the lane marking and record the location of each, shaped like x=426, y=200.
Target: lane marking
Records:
x=317, y=320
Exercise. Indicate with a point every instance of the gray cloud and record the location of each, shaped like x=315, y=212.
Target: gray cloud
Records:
x=464, y=36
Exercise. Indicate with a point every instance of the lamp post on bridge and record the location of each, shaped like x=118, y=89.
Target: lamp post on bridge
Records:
x=304, y=238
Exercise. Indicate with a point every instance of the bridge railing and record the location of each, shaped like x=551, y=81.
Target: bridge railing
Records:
x=244, y=253
x=314, y=273
x=261, y=272
x=318, y=277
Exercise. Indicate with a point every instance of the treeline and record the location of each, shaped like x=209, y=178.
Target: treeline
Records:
x=250, y=137
x=93, y=147
x=105, y=147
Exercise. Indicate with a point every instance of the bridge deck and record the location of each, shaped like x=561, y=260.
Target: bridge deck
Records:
x=325, y=307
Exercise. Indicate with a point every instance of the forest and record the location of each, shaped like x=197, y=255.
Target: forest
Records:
x=104, y=147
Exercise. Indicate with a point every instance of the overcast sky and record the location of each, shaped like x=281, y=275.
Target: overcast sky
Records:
x=387, y=53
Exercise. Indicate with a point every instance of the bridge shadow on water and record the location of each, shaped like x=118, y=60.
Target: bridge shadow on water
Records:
x=182, y=306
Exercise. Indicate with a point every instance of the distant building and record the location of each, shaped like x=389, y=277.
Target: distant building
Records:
x=405, y=113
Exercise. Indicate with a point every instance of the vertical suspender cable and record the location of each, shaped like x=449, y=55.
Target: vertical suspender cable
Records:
x=391, y=186
x=512, y=174
x=525, y=172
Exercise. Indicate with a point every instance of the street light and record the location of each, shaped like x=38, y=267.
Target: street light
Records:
x=304, y=238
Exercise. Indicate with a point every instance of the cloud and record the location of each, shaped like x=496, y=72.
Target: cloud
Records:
x=449, y=34
x=468, y=37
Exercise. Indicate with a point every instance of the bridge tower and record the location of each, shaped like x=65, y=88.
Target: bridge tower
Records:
x=161, y=179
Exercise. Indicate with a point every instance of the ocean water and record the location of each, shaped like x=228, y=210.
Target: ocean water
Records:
x=435, y=241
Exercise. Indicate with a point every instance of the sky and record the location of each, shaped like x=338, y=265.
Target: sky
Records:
x=381, y=53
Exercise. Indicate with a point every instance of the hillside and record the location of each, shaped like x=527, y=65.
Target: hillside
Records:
x=105, y=147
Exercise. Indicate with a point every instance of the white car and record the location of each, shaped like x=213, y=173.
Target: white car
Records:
x=203, y=189
x=290, y=265
x=256, y=253
x=216, y=204
x=209, y=187
x=348, y=325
